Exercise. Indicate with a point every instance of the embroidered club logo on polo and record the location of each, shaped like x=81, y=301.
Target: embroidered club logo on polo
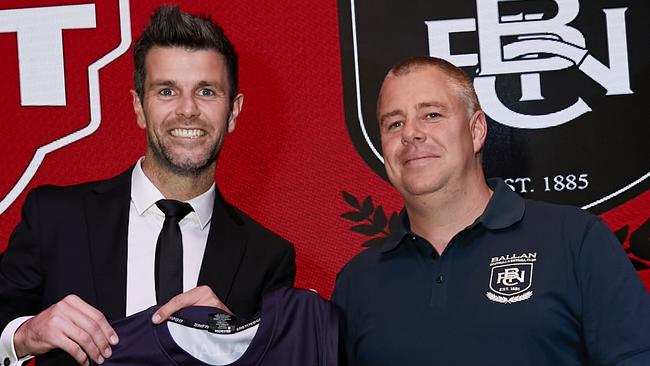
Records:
x=511, y=277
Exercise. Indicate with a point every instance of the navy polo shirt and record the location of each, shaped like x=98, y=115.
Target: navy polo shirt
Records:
x=528, y=283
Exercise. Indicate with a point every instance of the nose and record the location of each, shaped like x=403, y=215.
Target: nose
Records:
x=187, y=106
x=412, y=133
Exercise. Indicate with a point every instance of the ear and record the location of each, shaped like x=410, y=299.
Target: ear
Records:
x=236, y=107
x=478, y=127
x=139, y=111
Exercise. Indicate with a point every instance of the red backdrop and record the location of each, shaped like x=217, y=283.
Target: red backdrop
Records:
x=286, y=164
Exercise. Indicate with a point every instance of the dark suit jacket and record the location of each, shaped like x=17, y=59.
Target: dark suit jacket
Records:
x=73, y=240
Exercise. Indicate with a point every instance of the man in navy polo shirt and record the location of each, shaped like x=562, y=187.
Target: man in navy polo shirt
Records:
x=478, y=275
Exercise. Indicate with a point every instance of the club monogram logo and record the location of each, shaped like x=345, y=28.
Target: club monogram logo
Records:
x=511, y=277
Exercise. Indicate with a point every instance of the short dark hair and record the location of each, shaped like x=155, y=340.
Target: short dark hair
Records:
x=171, y=27
x=460, y=80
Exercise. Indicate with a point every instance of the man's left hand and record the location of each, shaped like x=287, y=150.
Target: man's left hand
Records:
x=202, y=295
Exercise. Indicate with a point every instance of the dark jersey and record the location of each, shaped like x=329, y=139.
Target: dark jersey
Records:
x=295, y=327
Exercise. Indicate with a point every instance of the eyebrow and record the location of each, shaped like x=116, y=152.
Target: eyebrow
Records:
x=393, y=113
x=157, y=83
x=430, y=104
x=200, y=84
x=214, y=84
x=419, y=106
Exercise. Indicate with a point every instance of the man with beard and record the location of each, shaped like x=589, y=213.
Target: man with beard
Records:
x=476, y=275
x=85, y=255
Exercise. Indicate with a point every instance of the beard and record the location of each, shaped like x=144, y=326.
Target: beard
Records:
x=182, y=165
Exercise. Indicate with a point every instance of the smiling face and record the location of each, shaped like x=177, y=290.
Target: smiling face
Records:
x=430, y=141
x=186, y=109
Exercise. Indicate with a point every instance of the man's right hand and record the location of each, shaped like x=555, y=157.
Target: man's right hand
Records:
x=71, y=325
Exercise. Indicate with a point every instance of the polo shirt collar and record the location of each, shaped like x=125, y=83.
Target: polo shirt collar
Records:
x=395, y=238
x=504, y=209
x=144, y=196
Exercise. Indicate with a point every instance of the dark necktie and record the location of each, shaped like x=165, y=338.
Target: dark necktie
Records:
x=169, y=251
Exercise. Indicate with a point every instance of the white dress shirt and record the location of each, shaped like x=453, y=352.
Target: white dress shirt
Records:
x=145, y=223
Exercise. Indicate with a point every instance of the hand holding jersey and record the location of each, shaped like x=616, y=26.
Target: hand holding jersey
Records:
x=83, y=332
x=198, y=296
x=71, y=325
x=293, y=327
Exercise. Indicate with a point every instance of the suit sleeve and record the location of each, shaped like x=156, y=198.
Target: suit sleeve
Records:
x=20, y=278
x=21, y=266
x=284, y=274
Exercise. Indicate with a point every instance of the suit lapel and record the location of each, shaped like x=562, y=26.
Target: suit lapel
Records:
x=107, y=210
x=224, y=250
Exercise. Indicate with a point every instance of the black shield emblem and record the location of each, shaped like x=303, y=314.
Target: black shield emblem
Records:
x=511, y=279
x=562, y=82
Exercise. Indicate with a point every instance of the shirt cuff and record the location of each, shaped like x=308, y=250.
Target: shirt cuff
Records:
x=7, y=349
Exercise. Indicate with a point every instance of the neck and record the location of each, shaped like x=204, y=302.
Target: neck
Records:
x=440, y=215
x=175, y=186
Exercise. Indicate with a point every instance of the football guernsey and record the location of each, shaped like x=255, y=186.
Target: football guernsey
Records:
x=294, y=327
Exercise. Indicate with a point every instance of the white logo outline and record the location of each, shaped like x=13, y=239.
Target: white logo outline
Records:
x=530, y=279
x=95, y=109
